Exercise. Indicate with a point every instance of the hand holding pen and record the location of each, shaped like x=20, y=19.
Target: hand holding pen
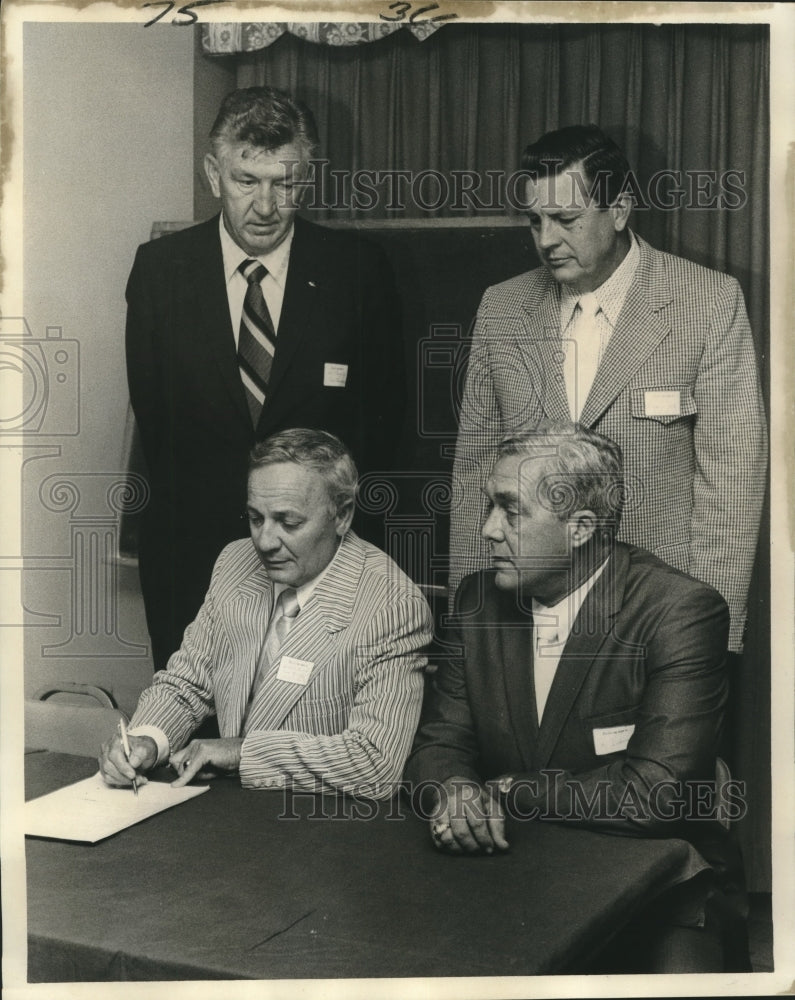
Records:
x=124, y=759
x=125, y=742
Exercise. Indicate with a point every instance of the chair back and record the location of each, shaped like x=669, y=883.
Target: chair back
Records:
x=70, y=728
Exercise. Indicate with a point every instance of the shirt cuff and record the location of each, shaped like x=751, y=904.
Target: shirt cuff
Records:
x=160, y=738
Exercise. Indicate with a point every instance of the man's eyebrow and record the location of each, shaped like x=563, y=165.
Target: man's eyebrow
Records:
x=556, y=210
x=277, y=515
x=501, y=496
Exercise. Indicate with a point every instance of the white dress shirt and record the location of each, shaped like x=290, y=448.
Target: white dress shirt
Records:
x=551, y=629
x=272, y=284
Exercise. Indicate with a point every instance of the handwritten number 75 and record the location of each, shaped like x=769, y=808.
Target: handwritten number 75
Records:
x=186, y=9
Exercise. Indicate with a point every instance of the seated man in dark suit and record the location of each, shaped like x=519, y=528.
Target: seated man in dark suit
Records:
x=589, y=684
x=308, y=647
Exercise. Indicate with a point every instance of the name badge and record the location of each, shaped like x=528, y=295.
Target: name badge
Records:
x=663, y=403
x=335, y=375
x=612, y=739
x=293, y=670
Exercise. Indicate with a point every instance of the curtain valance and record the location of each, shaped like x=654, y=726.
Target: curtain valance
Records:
x=231, y=37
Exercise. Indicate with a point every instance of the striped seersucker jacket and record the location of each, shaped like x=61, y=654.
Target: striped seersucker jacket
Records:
x=350, y=727
x=677, y=389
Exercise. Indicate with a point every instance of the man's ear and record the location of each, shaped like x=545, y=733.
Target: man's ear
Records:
x=344, y=517
x=620, y=210
x=582, y=526
x=213, y=171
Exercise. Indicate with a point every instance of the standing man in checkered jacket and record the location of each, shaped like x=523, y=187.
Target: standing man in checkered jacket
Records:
x=649, y=349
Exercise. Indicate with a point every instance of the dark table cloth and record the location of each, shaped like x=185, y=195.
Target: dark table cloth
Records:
x=240, y=883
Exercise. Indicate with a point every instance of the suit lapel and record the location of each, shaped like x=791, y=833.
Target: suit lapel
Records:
x=328, y=610
x=249, y=614
x=639, y=329
x=513, y=638
x=301, y=302
x=212, y=340
x=540, y=347
x=589, y=632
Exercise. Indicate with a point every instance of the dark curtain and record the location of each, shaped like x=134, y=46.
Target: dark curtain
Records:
x=675, y=97
x=682, y=98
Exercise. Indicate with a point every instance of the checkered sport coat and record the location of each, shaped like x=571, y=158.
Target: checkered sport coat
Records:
x=677, y=389
x=350, y=726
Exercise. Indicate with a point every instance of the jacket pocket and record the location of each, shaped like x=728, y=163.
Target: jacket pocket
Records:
x=619, y=717
x=320, y=716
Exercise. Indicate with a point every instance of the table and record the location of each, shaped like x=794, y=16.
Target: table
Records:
x=251, y=884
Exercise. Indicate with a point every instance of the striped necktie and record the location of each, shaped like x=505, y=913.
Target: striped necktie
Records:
x=257, y=339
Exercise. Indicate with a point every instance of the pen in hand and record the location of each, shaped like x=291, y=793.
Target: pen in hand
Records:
x=125, y=744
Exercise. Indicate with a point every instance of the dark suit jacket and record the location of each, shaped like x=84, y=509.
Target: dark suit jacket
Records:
x=647, y=649
x=340, y=307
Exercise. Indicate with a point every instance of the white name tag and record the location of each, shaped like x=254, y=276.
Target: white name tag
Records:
x=335, y=375
x=293, y=670
x=612, y=739
x=663, y=403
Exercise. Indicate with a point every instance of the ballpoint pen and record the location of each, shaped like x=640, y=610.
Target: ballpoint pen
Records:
x=125, y=743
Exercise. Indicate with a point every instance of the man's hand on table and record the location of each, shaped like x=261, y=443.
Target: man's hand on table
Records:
x=117, y=770
x=468, y=819
x=206, y=759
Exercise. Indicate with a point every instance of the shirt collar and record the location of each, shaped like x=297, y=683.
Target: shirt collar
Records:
x=611, y=293
x=276, y=261
x=565, y=611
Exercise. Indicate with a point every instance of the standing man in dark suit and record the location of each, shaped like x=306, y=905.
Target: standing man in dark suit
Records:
x=589, y=683
x=241, y=326
x=651, y=350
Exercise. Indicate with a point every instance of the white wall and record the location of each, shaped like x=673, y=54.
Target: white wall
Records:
x=108, y=149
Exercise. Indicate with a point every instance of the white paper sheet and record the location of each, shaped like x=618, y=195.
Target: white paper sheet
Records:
x=90, y=810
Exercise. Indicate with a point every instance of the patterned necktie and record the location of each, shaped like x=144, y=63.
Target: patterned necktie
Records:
x=547, y=656
x=284, y=614
x=257, y=339
x=582, y=352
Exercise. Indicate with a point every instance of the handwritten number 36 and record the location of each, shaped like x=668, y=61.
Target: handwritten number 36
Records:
x=402, y=8
x=185, y=9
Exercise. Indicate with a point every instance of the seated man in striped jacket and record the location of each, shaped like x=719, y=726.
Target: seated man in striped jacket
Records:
x=308, y=647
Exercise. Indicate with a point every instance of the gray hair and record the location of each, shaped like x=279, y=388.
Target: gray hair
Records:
x=316, y=450
x=266, y=118
x=585, y=471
